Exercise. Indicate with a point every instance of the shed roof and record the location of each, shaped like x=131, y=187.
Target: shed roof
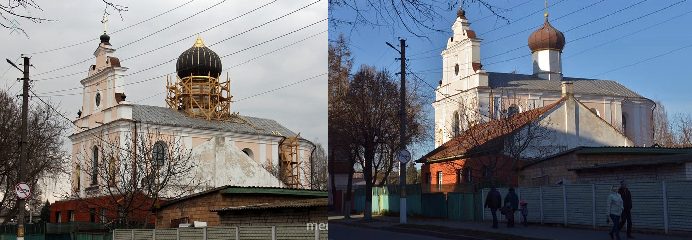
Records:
x=317, y=202
x=648, y=161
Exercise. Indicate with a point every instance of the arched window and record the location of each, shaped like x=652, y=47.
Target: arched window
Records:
x=514, y=109
x=455, y=127
x=624, y=124
x=159, y=155
x=595, y=111
x=249, y=153
x=94, y=166
x=78, y=172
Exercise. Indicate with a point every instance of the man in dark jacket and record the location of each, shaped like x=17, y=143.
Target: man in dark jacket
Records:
x=627, y=204
x=493, y=201
x=513, y=200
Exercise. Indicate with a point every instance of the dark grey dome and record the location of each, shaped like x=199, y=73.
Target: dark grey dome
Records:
x=198, y=61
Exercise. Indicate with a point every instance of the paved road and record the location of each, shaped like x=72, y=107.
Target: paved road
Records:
x=341, y=232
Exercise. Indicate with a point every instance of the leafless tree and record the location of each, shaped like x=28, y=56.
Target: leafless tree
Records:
x=416, y=16
x=129, y=172
x=12, y=10
x=494, y=142
x=46, y=159
x=318, y=168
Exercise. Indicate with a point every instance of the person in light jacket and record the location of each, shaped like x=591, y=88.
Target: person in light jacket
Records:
x=613, y=211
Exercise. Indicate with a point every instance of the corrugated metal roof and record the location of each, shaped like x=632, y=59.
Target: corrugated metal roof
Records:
x=648, y=161
x=169, y=117
x=512, y=81
x=317, y=202
x=219, y=189
x=613, y=150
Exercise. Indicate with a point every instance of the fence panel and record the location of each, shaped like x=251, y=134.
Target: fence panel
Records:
x=455, y=208
x=579, y=204
x=294, y=233
x=532, y=197
x=166, y=233
x=647, y=204
x=144, y=234
x=679, y=203
x=434, y=205
x=324, y=234
x=255, y=233
x=413, y=205
x=218, y=233
x=553, y=205
x=189, y=233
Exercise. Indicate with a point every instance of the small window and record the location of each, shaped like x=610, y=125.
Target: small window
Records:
x=159, y=155
x=249, y=153
x=58, y=216
x=77, y=181
x=92, y=215
x=428, y=178
x=456, y=127
x=94, y=166
x=104, y=218
x=70, y=213
x=439, y=177
x=624, y=124
x=460, y=177
x=468, y=174
x=98, y=99
x=456, y=69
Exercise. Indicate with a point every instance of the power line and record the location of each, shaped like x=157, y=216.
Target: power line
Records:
x=146, y=80
x=282, y=87
x=252, y=59
x=185, y=19
x=94, y=39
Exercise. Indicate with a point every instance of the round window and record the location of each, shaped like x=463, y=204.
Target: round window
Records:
x=98, y=99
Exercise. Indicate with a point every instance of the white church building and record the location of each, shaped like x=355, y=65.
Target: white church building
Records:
x=468, y=94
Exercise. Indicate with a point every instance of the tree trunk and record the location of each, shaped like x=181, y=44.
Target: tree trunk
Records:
x=369, y=155
x=349, y=187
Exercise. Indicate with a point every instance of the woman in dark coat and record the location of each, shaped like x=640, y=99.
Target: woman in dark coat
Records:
x=513, y=200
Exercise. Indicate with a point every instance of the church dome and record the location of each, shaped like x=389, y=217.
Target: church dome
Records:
x=198, y=61
x=547, y=37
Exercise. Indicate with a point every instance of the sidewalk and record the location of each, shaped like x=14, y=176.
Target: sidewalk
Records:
x=436, y=227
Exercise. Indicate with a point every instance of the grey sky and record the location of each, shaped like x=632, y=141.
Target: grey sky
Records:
x=301, y=107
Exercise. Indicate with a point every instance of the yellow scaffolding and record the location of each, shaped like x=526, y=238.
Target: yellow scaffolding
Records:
x=200, y=97
x=290, y=161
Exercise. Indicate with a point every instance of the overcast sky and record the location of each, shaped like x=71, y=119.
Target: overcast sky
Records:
x=644, y=45
x=301, y=107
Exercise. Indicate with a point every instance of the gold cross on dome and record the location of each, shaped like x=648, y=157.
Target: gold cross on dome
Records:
x=546, y=8
x=104, y=21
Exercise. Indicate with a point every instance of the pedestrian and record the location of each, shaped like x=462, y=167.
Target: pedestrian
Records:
x=513, y=200
x=524, y=212
x=627, y=204
x=493, y=201
x=508, y=212
x=614, y=211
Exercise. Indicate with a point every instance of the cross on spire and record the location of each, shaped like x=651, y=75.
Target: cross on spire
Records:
x=546, y=9
x=104, y=21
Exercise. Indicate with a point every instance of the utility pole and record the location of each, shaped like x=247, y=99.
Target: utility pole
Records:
x=23, y=155
x=402, y=133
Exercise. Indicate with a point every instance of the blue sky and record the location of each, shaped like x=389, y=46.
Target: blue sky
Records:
x=642, y=44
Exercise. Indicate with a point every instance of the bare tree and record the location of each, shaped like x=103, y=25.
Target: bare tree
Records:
x=129, y=172
x=416, y=16
x=494, y=142
x=12, y=10
x=318, y=168
x=412, y=173
x=46, y=159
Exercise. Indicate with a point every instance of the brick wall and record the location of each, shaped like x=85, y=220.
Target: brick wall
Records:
x=198, y=208
x=274, y=217
x=450, y=175
x=635, y=173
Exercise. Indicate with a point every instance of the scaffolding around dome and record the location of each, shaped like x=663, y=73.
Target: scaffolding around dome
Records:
x=200, y=96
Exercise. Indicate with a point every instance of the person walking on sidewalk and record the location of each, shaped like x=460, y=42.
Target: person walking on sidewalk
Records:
x=493, y=201
x=627, y=204
x=513, y=200
x=613, y=211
